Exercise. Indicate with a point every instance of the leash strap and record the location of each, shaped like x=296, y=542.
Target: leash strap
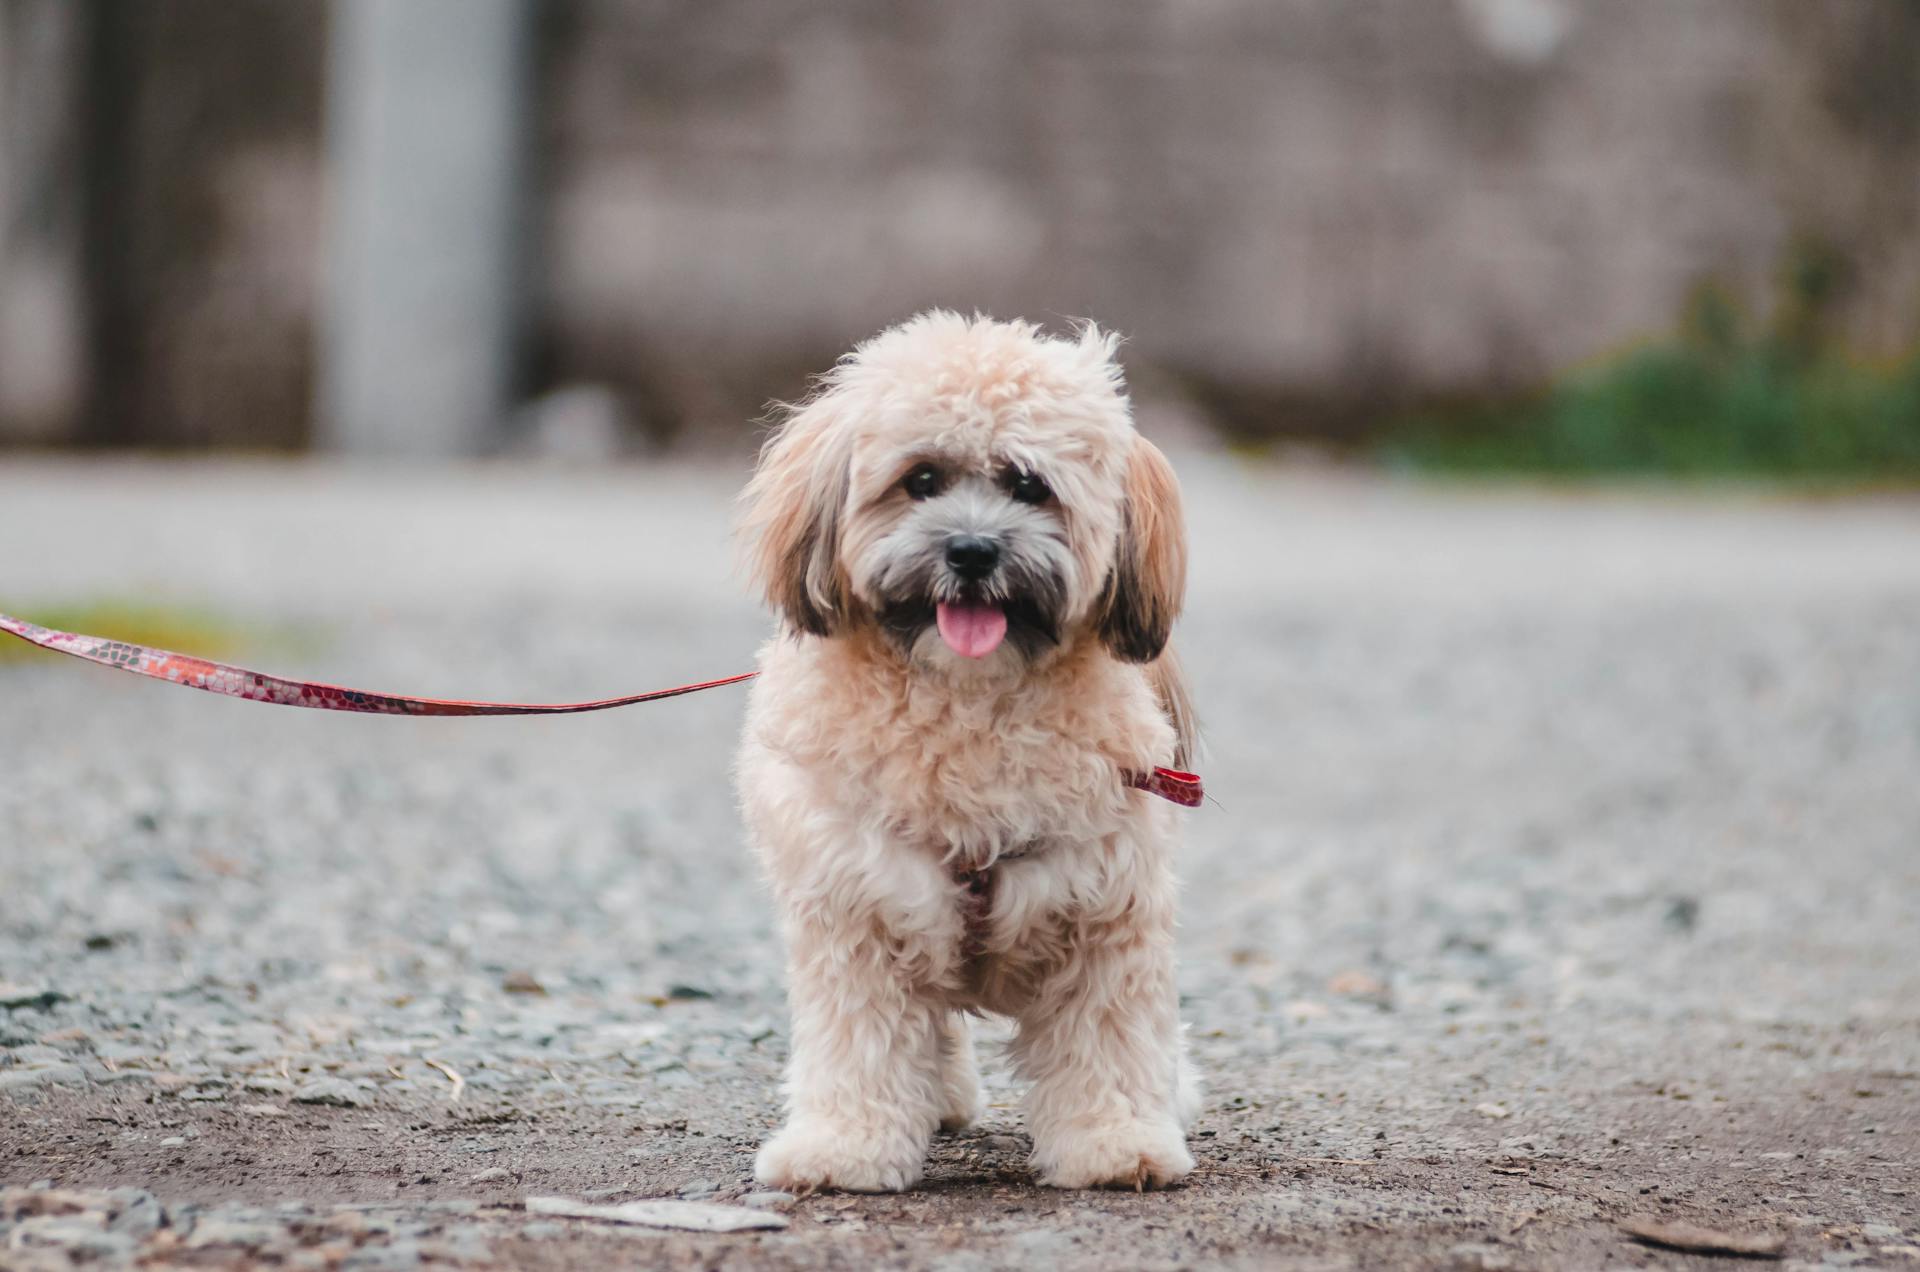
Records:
x=255, y=686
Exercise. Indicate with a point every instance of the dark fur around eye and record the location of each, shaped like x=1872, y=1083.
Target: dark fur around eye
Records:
x=1028, y=488
x=923, y=481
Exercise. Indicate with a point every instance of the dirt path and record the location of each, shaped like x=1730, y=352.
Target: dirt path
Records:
x=1565, y=870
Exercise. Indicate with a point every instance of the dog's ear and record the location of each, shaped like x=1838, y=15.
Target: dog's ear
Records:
x=791, y=517
x=1149, y=578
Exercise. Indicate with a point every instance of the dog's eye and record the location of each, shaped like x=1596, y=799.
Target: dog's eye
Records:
x=1028, y=488
x=923, y=481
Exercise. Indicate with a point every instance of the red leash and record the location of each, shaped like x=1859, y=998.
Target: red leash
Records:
x=254, y=686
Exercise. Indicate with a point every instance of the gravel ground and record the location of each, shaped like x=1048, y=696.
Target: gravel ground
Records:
x=1564, y=870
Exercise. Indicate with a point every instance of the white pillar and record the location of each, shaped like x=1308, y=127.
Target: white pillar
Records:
x=426, y=116
x=41, y=288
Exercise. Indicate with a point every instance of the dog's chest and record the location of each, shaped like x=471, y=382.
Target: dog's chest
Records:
x=978, y=789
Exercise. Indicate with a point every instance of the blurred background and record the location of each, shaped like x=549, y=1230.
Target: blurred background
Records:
x=1553, y=235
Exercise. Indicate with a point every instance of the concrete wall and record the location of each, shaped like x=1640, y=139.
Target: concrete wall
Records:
x=1304, y=212
x=1308, y=207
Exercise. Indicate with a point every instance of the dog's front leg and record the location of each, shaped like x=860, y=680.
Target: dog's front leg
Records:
x=1102, y=1043
x=862, y=1101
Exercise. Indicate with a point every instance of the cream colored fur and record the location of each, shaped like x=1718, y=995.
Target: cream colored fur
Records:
x=873, y=772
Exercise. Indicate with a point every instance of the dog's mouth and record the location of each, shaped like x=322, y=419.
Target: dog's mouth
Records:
x=973, y=625
x=971, y=628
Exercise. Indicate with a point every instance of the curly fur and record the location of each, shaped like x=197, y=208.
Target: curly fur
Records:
x=880, y=770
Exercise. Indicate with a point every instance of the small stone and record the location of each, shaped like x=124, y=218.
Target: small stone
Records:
x=80, y=1238
x=17, y=996
x=701, y=1188
x=42, y=1198
x=136, y=1213
x=768, y=1200
x=48, y=1075
x=263, y=1110
x=1683, y=913
x=1498, y=1112
x=174, y=1141
x=491, y=1175
x=451, y=1206
x=394, y=1257
x=119, y=1077
x=1356, y=984
x=336, y=1092
x=522, y=982
x=233, y=1232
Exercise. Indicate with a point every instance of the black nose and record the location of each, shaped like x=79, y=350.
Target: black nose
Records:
x=972, y=557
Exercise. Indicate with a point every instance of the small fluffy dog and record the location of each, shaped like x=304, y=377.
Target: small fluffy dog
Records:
x=977, y=560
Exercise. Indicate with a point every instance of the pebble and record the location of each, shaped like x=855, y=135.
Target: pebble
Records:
x=234, y=1232
x=49, y=1075
x=768, y=1200
x=137, y=1214
x=79, y=1237
x=13, y=997
x=394, y=1257
x=492, y=1174
x=335, y=1092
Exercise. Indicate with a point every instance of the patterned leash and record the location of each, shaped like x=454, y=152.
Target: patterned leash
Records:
x=238, y=682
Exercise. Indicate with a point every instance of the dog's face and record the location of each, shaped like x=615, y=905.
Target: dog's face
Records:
x=974, y=490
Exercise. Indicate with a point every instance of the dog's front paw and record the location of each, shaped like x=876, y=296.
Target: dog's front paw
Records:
x=961, y=1103
x=807, y=1156
x=1135, y=1154
x=963, y=1109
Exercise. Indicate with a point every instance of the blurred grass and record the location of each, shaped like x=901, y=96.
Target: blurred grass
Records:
x=179, y=629
x=1721, y=397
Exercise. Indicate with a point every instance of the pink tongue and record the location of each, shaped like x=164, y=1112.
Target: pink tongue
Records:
x=971, y=629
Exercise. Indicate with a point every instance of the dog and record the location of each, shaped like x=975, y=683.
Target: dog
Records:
x=977, y=562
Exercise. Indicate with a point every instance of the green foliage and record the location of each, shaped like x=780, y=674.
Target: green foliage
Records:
x=1715, y=399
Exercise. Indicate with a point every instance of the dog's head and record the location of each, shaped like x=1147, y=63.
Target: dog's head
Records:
x=976, y=490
